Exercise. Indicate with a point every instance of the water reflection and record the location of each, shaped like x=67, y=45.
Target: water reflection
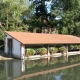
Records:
x=10, y=70
x=66, y=74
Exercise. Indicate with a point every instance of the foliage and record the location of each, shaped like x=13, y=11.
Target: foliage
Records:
x=41, y=51
x=53, y=50
x=30, y=51
x=77, y=29
x=69, y=16
x=79, y=47
x=2, y=29
x=11, y=14
x=62, y=49
x=17, y=15
x=64, y=30
x=76, y=47
x=71, y=46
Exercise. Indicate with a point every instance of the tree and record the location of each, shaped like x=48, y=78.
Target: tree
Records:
x=43, y=12
x=11, y=14
x=18, y=15
x=61, y=14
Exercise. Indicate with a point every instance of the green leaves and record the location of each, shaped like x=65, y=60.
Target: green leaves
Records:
x=53, y=50
x=42, y=51
x=11, y=14
x=30, y=51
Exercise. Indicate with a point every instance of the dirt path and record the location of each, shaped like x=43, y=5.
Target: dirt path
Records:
x=45, y=72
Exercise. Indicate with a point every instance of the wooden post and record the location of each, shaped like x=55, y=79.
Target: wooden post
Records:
x=66, y=50
x=48, y=51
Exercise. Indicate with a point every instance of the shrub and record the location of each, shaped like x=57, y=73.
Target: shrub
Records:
x=30, y=51
x=42, y=51
x=53, y=50
x=76, y=47
x=79, y=47
x=71, y=47
x=62, y=49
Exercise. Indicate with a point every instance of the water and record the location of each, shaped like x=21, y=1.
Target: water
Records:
x=59, y=68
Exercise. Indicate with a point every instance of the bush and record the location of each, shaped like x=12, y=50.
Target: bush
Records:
x=79, y=47
x=42, y=51
x=53, y=50
x=62, y=49
x=76, y=47
x=30, y=51
x=71, y=47
x=2, y=29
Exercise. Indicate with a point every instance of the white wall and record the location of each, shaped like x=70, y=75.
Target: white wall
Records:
x=22, y=51
x=16, y=49
x=6, y=36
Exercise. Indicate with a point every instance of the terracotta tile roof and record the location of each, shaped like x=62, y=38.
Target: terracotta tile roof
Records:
x=41, y=38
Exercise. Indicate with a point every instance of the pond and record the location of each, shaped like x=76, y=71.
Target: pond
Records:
x=51, y=68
